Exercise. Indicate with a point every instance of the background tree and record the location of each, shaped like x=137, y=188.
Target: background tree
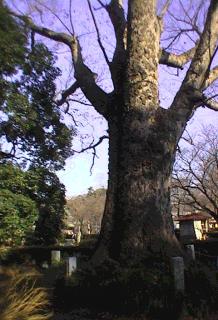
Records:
x=31, y=207
x=31, y=130
x=18, y=211
x=86, y=209
x=143, y=136
x=13, y=47
x=32, y=136
x=196, y=173
x=50, y=200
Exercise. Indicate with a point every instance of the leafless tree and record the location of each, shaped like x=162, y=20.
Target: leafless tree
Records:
x=143, y=136
x=196, y=174
x=87, y=209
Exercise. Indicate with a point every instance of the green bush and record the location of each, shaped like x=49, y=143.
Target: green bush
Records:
x=18, y=214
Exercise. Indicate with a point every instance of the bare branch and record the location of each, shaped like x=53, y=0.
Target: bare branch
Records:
x=213, y=76
x=199, y=204
x=57, y=36
x=199, y=68
x=84, y=76
x=98, y=34
x=189, y=94
x=86, y=79
x=80, y=102
x=71, y=20
x=195, y=173
x=101, y=3
x=57, y=17
x=67, y=93
x=93, y=148
x=176, y=61
x=191, y=21
x=210, y=103
x=204, y=101
x=164, y=9
x=117, y=16
x=188, y=139
x=70, y=114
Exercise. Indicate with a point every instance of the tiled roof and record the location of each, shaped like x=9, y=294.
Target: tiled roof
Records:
x=192, y=217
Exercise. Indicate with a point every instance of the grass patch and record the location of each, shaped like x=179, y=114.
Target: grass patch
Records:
x=21, y=298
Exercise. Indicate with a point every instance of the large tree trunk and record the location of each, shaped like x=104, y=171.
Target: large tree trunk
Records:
x=137, y=219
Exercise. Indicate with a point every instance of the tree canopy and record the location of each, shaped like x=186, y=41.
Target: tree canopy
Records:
x=18, y=211
x=31, y=207
x=50, y=200
x=34, y=141
x=31, y=129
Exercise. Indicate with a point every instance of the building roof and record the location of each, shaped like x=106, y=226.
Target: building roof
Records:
x=192, y=217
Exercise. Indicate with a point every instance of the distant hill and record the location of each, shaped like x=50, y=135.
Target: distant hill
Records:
x=87, y=209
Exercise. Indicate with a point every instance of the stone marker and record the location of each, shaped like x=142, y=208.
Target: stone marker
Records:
x=45, y=265
x=71, y=265
x=178, y=272
x=78, y=236
x=55, y=256
x=191, y=251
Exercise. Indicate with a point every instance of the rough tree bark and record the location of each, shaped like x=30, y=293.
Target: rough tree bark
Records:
x=142, y=135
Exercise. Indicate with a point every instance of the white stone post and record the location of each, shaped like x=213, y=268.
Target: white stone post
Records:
x=191, y=251
x=55, y=256
x=178, y=272
x=45, y=265
x=78, y=236
x=71, y=265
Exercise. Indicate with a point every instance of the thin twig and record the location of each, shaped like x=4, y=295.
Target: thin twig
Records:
x=98, y=34
x=71, y=20
x=93, y=148
x=59, y=19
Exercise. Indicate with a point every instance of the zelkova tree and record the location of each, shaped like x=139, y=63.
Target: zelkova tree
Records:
x=143, y=136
